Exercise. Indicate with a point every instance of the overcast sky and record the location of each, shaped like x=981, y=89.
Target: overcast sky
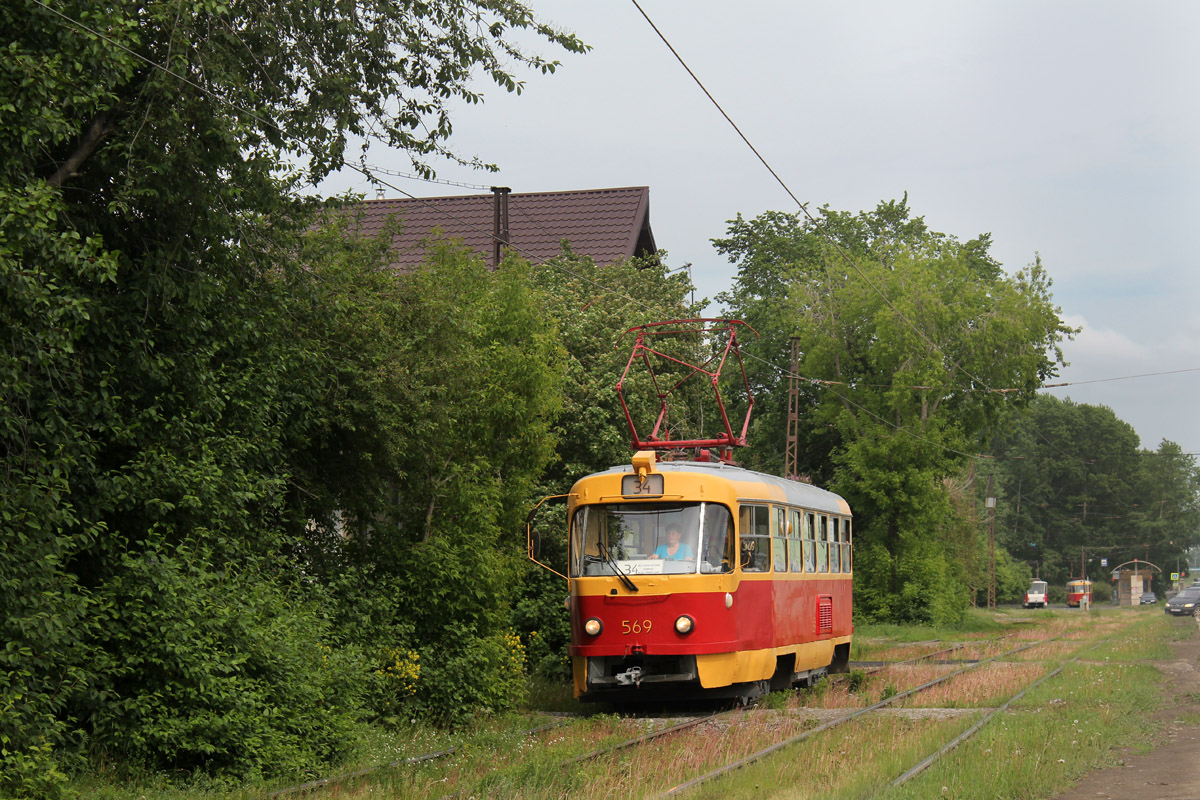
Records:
x=1065, y=129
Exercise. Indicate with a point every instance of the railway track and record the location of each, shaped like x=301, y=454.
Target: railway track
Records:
x=480, y=781
x=715, y=718
x=763, y=753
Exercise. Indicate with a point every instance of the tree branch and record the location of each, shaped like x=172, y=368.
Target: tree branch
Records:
x=96, y=131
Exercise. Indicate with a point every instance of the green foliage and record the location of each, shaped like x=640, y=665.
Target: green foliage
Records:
x=466, y=674
x=449, y=379
x=539, y=614
x=1012, y=576
x=593, y=307
x=180, y=393
x=902, y=331
x=1073, y=486
x=216, y=670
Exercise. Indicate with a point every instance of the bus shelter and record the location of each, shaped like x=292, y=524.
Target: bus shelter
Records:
x=1132, y=578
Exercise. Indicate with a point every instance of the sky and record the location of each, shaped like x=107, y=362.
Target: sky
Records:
x=1067, y=129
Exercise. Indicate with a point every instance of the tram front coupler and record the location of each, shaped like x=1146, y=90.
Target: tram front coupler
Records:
x=630, y=677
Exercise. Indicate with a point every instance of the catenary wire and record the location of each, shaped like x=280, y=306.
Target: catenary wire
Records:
x=804, y=208
x=371, y=172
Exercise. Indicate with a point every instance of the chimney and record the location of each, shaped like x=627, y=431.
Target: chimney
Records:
x=499, y=222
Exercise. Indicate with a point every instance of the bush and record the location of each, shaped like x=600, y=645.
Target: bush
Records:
x=467, y=674
x=220, y=671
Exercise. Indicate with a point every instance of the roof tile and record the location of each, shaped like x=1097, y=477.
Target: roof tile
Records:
x=606, y=224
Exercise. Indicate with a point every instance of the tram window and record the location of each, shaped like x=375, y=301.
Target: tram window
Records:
x=794, y=542
x=779, y=547
x=755, y=543
x=846, y=562
x=810, y=544
x=822, y=543
x=717, y=550
x=835, y=548
x=575, y=542
x=626, y=536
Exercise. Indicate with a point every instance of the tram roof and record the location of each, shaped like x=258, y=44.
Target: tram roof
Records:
x=795, y=492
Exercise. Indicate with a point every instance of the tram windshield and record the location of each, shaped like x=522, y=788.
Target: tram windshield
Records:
x=651, y=539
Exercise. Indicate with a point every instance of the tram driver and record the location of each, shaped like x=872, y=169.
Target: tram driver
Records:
x=675, y=548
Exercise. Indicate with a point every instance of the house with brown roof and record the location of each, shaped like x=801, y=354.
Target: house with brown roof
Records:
x=606, y=224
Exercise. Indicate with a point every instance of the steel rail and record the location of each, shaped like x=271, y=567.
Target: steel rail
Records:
x=884, y=665
x=602, y=751
x=969, y=732
x=403, y=762
x=711, y=717
x=750, y=759
x=960, y=646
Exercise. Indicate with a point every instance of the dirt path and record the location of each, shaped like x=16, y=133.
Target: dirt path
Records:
x=1171, y=771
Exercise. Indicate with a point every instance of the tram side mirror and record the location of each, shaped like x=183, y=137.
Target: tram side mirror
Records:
x=533, y=539
x=535, y=544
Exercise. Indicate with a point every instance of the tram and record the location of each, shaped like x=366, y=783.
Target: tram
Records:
x=1077, y=591
x=690, y=576
x=702, y=578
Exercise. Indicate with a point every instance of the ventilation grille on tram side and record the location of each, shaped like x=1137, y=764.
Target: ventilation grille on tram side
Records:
x=825, y=614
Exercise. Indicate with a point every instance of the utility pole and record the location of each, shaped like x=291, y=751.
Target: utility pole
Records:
x=991, y=507
x=791, y=469
x=970, y=491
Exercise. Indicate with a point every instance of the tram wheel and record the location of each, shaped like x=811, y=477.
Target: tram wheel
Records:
x=753, y=691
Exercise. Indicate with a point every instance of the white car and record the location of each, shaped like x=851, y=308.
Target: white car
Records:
x=1035, y=597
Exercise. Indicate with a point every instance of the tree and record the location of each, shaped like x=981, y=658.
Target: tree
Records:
x=1076, y=487
x=450, y=378
x=907, y=336
x=157, y=400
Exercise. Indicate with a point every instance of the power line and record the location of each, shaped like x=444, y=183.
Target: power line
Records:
x=371, y=173
x=369, y=170
x=836, y=245
x=804, y=208
x=1122, y=378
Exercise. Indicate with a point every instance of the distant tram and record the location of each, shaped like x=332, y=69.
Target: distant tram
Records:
x=1077, y=591
x=702, y=578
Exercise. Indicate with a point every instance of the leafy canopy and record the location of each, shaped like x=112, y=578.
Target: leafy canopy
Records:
x=913, y=345
x=167, y=382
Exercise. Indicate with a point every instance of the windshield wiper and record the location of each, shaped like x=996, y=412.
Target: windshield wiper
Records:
x=630, y=585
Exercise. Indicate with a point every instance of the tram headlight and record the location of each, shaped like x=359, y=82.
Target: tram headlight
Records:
x=684, y=624
x=593, y=627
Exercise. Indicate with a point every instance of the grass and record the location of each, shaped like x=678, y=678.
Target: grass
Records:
x=1074, y=722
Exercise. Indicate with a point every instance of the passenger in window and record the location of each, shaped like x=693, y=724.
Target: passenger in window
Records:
x=675, y=549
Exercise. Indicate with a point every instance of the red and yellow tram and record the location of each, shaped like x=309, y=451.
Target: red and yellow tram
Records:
x=702, y=578
x=1077, y=591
